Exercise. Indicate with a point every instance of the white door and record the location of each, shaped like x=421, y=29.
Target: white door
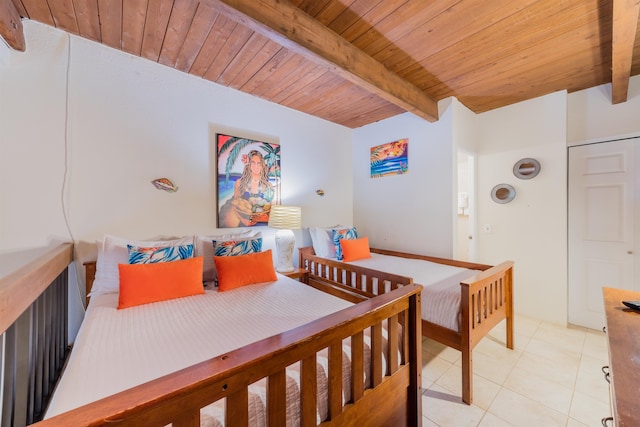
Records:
x=601, y=218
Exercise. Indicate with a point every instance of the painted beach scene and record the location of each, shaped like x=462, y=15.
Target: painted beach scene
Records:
x=390, y=158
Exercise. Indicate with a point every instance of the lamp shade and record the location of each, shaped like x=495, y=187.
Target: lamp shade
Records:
x=285, y=217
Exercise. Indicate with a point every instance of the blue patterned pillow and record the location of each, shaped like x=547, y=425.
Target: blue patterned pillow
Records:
x=342, y=233
x=237, y=247
x=151, y=255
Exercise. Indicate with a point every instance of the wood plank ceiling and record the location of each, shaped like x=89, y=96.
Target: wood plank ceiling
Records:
x=399, y=55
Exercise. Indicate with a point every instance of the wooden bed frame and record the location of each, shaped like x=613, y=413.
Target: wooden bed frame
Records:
x=486, y=299
x=394, y=398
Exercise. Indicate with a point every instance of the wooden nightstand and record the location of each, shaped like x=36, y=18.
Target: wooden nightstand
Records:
x=299, y=273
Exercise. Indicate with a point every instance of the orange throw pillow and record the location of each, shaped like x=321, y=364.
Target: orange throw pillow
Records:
x=145, y=283
x=354, y=249
x=240, y=270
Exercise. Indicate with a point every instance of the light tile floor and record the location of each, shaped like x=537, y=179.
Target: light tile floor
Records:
x=553, y=377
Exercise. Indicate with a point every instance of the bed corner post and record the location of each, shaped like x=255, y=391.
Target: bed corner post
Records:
x=467, y=317
x=303, y=253
x=90, y=275
x=509, y=309
x=414, y=401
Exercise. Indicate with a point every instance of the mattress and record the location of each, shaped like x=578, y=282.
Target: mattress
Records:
x=441, y=285
x=118, y=349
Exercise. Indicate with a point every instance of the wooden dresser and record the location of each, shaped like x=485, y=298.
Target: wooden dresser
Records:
x=623, y=332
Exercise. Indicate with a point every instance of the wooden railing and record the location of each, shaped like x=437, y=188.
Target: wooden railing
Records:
x=33, y=323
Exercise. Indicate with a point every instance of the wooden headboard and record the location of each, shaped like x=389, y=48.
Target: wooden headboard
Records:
x=90, y=275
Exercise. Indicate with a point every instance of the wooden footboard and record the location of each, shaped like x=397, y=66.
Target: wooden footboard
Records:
x=393, y=397
x=349, y=282
x=486, y=299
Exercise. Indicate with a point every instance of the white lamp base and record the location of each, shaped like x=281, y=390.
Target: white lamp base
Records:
x=285, y=241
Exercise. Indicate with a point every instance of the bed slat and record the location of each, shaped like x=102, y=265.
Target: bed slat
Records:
x=335, y=380
x=369, y=281
x=392, y=357
x=376, y=354
x=357, y=366
x=237, y=413
x=308, y=391
x=277, y=398
x=404, y=322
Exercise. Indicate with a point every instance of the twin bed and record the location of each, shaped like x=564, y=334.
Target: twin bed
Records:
x=344, y=350
x=461, y=301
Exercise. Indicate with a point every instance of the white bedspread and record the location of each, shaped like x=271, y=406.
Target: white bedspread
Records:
x=441, y=293
x=118, y=349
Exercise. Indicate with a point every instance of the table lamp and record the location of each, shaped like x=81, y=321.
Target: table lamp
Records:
x=285, y=219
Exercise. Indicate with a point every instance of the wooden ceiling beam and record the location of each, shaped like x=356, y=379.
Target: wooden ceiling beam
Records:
x=11, y=26
x=289, y=26
x=625, y=23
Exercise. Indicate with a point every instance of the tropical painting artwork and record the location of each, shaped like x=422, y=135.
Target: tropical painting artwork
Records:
x=248, y=174
x=390, y=158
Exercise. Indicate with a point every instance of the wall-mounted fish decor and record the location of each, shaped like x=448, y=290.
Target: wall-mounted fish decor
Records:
x=165, y=184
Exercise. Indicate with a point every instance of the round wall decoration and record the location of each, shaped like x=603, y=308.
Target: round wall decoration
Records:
x=503, y=193
x=526, y=168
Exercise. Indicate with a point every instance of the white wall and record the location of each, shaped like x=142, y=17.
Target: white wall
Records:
x=465, y=128
x=5, y=53
x=415, y=212
x=32, y=89
x=592, y=116
x=410, y=212
x=530, y=230
x=130, y=121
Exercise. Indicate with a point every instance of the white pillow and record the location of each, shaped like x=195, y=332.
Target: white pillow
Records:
x=314, y=239
x=322, y=241
x=204, y=248
x=113, y=251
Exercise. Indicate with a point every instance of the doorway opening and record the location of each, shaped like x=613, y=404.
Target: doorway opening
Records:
x=465, y=214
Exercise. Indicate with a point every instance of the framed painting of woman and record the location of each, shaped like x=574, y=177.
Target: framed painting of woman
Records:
x=248, y=174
